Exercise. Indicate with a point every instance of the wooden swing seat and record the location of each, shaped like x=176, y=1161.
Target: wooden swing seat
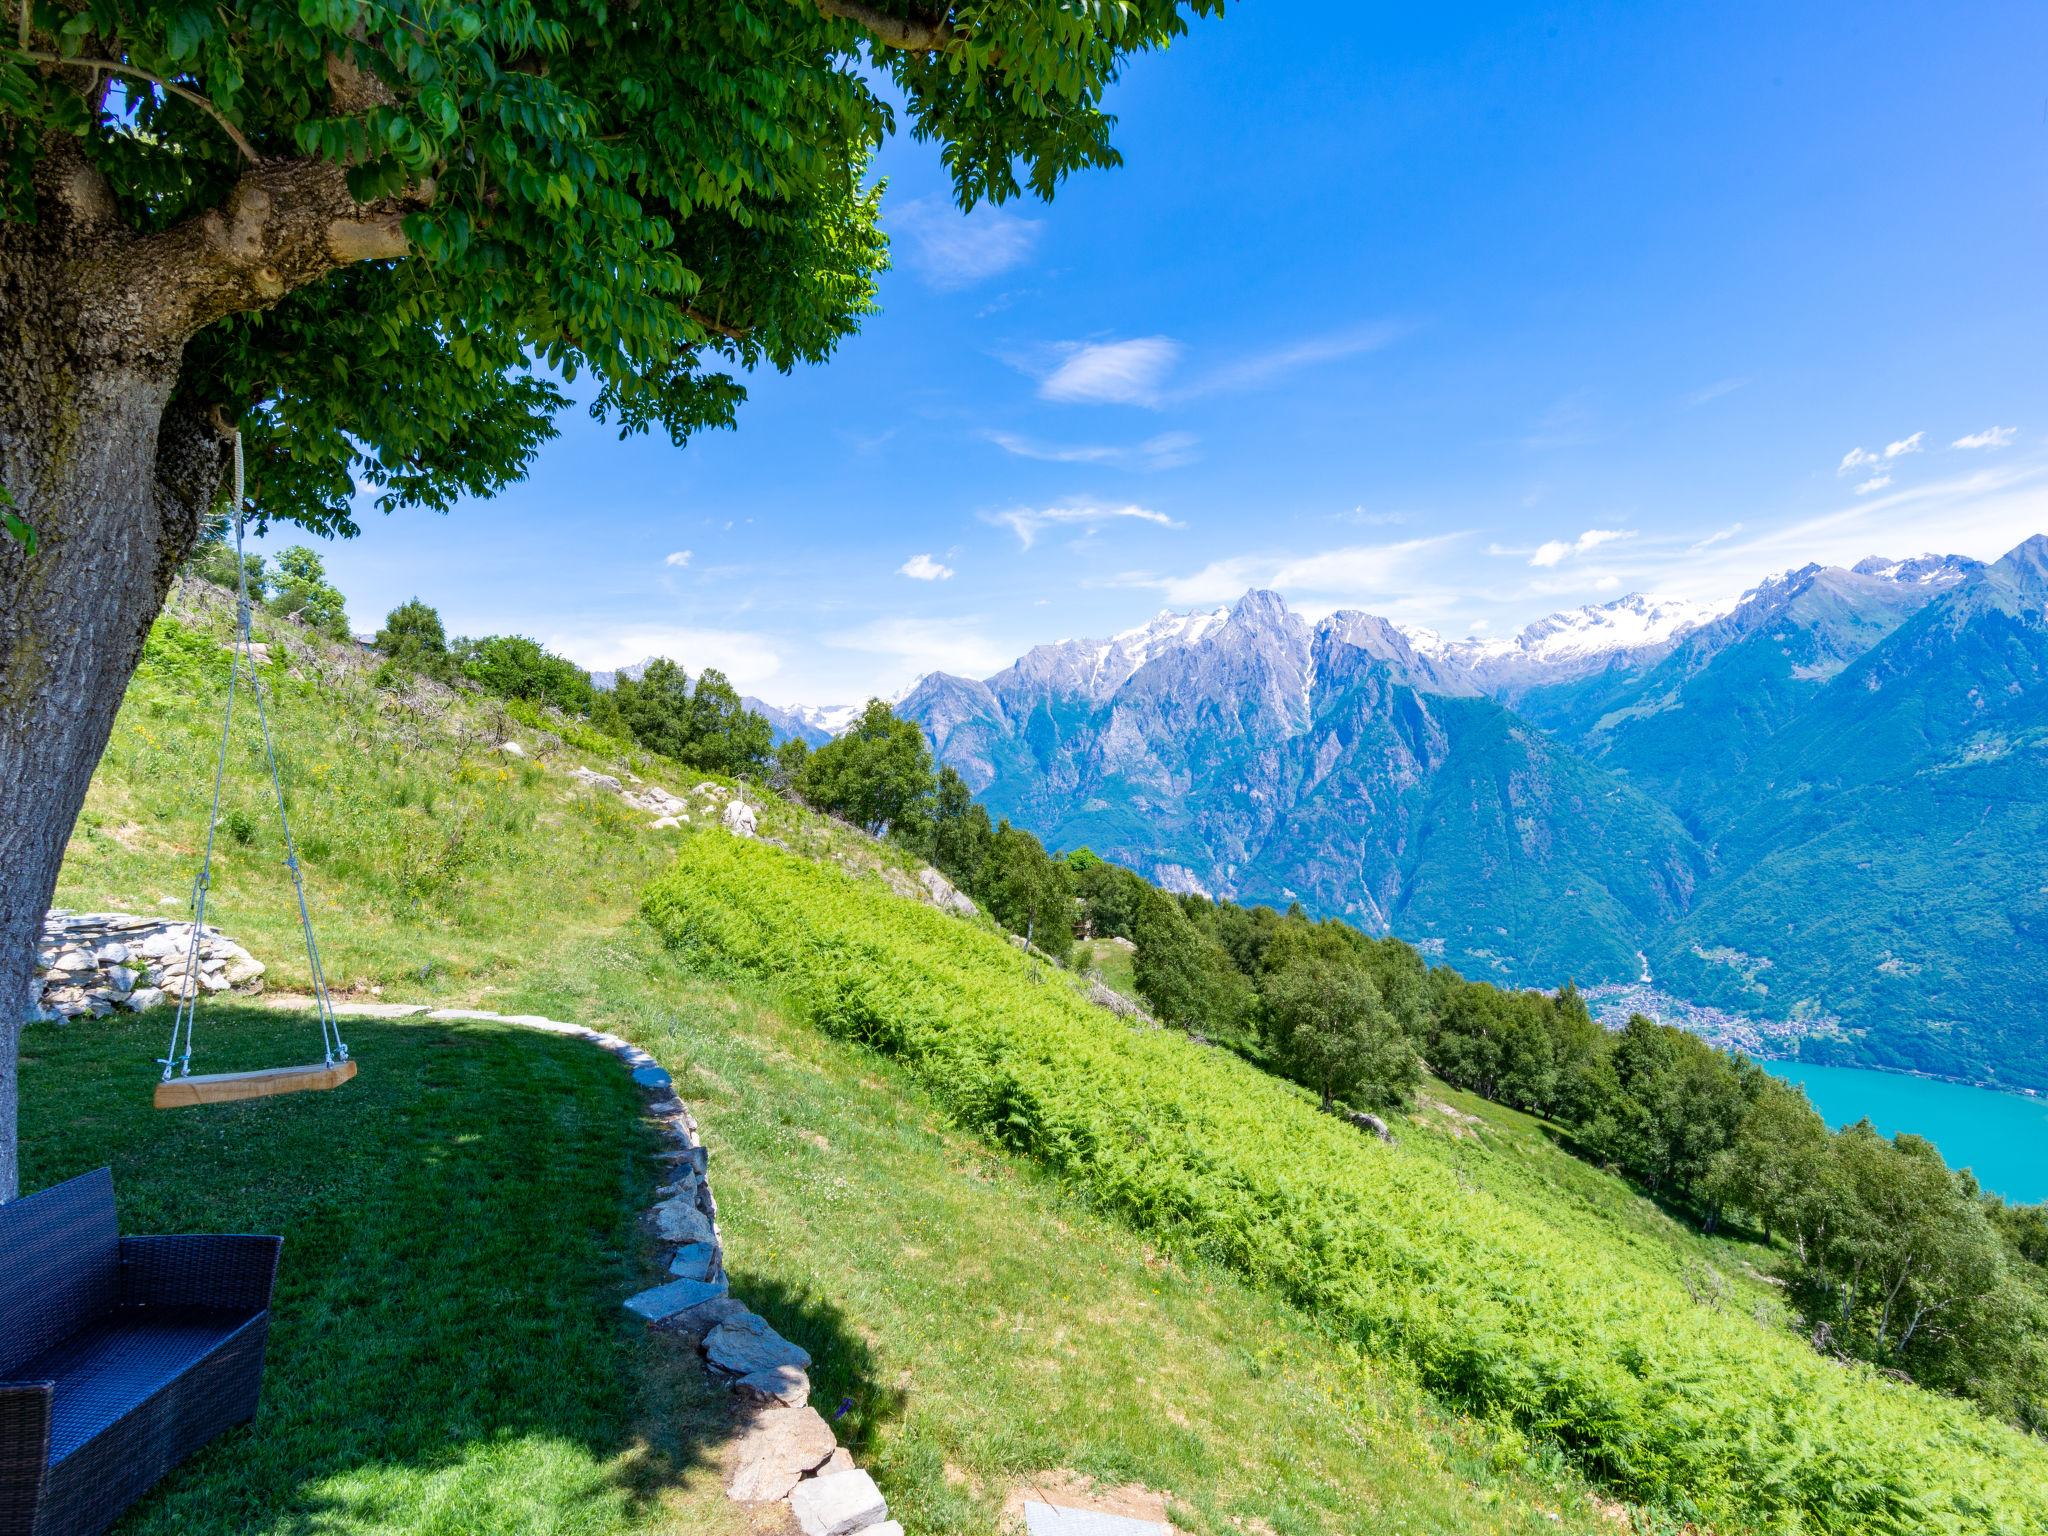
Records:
x=225, y=1087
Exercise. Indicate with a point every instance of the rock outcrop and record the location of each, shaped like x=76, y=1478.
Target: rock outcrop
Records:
x=95, y=962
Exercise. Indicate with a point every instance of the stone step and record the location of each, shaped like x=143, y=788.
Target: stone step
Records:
x=661, y=1302
x=838, y=1504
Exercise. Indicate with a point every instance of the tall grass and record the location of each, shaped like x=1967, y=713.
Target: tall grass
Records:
x=1530, y=1316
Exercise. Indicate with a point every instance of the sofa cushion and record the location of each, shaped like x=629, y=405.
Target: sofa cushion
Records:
x=121, y=1360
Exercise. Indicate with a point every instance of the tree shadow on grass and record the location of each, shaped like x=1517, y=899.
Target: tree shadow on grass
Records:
x=461, y=1222
x=846, y=1383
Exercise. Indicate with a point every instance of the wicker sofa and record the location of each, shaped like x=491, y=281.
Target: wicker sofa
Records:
x=119, y=1356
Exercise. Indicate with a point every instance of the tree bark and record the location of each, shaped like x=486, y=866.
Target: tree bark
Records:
x=115, y=489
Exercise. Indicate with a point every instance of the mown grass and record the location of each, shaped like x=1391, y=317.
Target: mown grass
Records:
x=447, y=1354
x=1503, y=1297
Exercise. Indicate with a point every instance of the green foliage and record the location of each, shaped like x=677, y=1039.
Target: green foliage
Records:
x=662, y=197
x=214, y=560
x=17, y=527
x=877, y=774
x=301, y=591
x=787, y=765
x=1499, y=1307
x=704, y=726
x=515, y=667
x=1025, y=889
x=412, y=637
x=1183, y=976
x=1331, y=1031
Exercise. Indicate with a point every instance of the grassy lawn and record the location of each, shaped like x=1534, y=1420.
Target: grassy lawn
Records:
x=447, y=1353
x=1111, y=961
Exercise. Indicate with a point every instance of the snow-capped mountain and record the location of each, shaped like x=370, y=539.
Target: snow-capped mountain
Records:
x=1570, y=644
x=814, y=723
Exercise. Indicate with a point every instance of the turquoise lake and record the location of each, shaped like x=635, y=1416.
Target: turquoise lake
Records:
x=2001, y=1137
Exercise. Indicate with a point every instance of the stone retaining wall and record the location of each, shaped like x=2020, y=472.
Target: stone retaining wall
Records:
x=95, y=962
x=784, y=1452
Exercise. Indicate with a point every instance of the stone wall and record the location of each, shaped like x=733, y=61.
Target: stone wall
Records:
x=95, y=962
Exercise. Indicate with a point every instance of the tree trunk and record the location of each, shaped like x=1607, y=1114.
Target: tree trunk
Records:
x=114, y=481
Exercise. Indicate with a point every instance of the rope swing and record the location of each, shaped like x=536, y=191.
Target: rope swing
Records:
x=178, y=1087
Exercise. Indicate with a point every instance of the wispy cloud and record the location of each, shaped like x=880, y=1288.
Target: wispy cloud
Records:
x=1557, y=551
x=949, y=249
x=1165, y=450
x=1855, y=458
x=1028, y=522
x=1112, y=372
x=924, y=568
x=1990, y=437
x=1719, y=536
x=1904, y=446
x=678, y=559
x=1357, y=573
x=1876, y=482
x=749, y=659
x=1146, y=371
x=920, y=645
x=1715, y=390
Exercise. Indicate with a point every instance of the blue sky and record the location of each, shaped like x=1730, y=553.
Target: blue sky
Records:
x=1460, y=315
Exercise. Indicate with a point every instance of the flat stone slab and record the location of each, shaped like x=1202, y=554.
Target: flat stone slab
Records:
x=1058, y=1520
x=774, y=1450
x=694, y=1261
x=653, y=1077
x=742, y=1345
x=838, y=1504
x=707, y=1315
x=679, y=1221
x=663, y=1302
x=783, y=1384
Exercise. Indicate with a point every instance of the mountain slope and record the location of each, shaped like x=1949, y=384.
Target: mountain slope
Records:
x=1889, y=869
x=1255, y=756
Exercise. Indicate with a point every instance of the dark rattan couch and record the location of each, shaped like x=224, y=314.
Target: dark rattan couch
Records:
x=119, y=1356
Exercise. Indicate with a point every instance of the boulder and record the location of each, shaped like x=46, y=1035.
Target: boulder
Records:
x=144, y=998
x=739, y=819
x=596, y=780
x=773, y=1452
x=678, y=1220
x=742, y=1345
x=120, y=978
x=112, y=953
x=945, y=895
x=511, y=748
x=838, y=1504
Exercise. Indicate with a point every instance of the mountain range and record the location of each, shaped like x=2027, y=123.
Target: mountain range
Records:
x=1819, y=814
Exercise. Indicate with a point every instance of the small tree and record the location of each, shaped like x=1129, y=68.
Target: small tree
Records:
x=1330, y=1031
x=877, y=775
x=1026, y=890
x=412, y=637
x=302, y=591
x=514, y=667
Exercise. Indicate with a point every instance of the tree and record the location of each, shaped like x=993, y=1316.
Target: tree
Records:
x=1183, y=974
x=412, y=637
x=371, y=239
x=1026, y=890
x=877, y=774
x=788, y=764
x=1331, y=1031
x=301, y=591
x=214, y=560
x=514, y=667
x=705, y=726
x=959, y=833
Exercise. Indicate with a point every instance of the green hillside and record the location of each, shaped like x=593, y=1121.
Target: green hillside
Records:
x=1017, y=1234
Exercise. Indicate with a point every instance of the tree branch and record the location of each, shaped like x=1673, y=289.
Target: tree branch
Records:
x=719, y=327
x=913, y=34
x=248, y=150
x=284, y=225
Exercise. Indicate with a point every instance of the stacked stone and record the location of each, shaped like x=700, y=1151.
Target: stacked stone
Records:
x=96, y=962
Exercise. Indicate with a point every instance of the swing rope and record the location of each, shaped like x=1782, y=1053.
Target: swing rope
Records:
x=242, y=654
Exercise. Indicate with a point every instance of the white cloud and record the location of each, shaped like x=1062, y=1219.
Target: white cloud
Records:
x=1720, y=536
x=1855, y=458
x=920, y=645
x=1876, y=482
x=950, y=249
x=749, y=659
x=1165, y=450
x=924, y=568
x=1256, y=368
x=678, y=559
x=1112, y=372
x=1028, y=522
x=1556, y=551
x=1904, y=445
x=1990, y=437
